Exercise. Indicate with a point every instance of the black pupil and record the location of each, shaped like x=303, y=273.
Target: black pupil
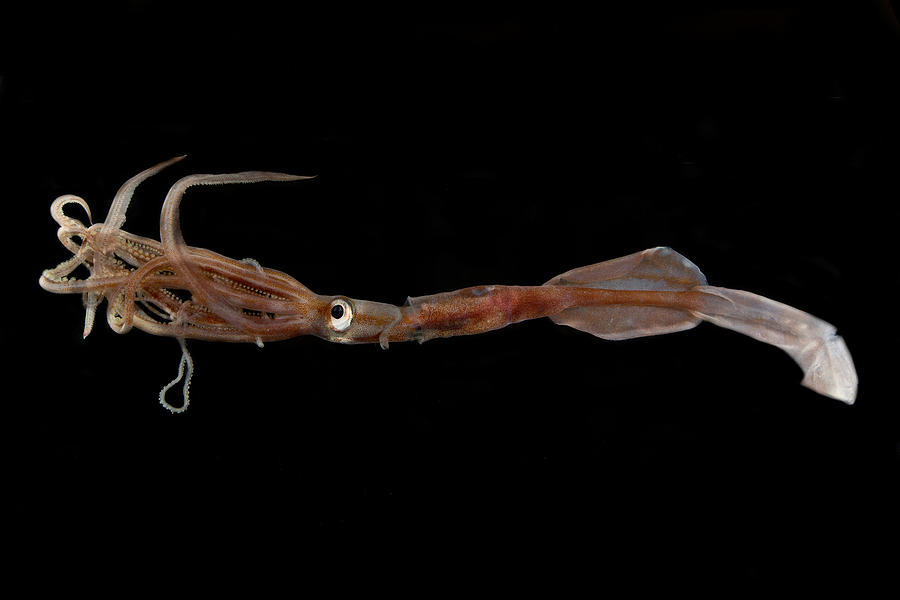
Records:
x=337, y=311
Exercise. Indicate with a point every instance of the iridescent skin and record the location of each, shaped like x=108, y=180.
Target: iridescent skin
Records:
x=169, y=288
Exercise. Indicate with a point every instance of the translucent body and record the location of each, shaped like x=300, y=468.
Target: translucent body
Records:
x=169, y=288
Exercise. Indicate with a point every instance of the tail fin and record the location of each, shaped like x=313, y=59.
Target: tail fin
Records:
x=657, y=269
x=811, y=342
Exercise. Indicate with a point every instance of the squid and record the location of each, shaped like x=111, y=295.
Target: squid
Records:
x=168, y=288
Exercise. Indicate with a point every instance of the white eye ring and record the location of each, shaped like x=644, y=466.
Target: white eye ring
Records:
x=340, y=313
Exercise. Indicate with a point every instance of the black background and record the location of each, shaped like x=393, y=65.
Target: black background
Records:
x=760, y=140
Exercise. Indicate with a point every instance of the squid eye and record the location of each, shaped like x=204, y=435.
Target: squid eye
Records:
x=341, y=314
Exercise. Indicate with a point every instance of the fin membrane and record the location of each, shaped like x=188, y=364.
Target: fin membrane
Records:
x=657, y=269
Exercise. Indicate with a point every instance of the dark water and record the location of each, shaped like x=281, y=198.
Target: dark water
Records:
x=760, y=143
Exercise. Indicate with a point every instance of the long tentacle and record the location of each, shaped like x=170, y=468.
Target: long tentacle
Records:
x=115, y=218
x=179, y=254
x=186, y=361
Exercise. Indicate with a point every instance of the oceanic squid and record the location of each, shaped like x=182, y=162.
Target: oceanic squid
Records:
x=168, y=288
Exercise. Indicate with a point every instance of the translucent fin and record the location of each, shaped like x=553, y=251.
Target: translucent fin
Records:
x=811, y=342
x=658, y=269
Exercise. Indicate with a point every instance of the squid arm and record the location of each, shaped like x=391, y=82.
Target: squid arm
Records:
x=169, y=288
